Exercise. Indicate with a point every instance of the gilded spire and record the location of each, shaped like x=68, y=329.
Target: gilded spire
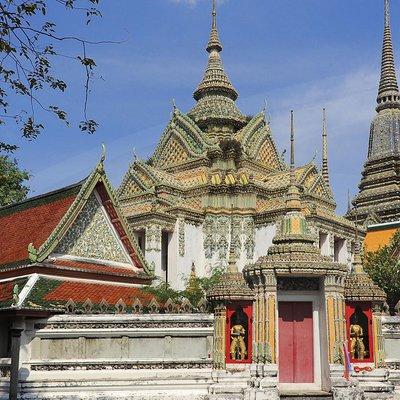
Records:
x=215, y=95
x=388, y=94
x=325, y=170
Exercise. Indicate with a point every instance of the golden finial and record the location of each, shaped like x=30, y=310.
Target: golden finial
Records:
x=103, y=153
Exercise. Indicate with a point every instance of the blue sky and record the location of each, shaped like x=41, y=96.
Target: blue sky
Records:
x=303, y=55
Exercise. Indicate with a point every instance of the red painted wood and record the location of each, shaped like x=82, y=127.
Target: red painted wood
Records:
x=366, y=308
x=296, y=344
x=248, y=310
x=286, y=342
x=303, y=343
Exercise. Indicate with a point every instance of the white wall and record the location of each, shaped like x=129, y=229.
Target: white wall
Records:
x=264, y=236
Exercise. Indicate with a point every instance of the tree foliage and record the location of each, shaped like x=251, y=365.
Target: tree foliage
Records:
x=384, y=268
x=29, y=45
x=12, y=188
x=163, y=291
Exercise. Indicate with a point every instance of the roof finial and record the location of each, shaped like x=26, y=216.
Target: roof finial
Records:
x=348, y=201
x=388, y=94
x=103, y=153
x=357, y=262
x=214, y=42
x=293, y=197
x=325, y=170
x=292, y=141
x=387, y=14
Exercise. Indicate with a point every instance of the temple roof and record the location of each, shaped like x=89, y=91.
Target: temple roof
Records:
x=293, y=250
x=32, y=221
x=53, y=295
x=76, y=232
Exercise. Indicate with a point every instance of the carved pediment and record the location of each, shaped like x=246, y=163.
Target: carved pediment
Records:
x=181, y=141
x=267, y=154
x=258, y=144
x=174, y=152
x=91, y=236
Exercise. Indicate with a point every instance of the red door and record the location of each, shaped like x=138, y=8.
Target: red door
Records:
x=296, y=350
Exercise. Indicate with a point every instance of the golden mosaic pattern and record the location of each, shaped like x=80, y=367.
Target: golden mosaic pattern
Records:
x=174, y=153
x=267, y=155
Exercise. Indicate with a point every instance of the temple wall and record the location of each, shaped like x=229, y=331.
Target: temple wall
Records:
x=187, y=249
x=263, y=239
x=130, y=356
x=391, y=337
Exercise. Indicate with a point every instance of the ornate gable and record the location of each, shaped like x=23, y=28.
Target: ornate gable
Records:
x=314, y=183
x=181, y=141
x=92, y=236
x=136, y=181
x=267, y=154
x=174, y=153
x=258, y=144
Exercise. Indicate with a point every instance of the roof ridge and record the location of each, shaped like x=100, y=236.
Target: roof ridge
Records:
x=8, y=209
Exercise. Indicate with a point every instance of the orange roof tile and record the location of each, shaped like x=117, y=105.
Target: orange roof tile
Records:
x=30, y=222
x=92, y=267
x=80, y=291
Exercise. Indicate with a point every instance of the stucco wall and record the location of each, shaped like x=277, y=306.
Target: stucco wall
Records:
x=149, y=356
x=264, y=236
x=391, y=336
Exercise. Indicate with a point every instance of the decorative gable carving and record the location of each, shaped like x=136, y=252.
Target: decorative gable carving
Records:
x=267, y=155
x=258, y=144
x=91, y=236
x=181, y=141
x=173, y=153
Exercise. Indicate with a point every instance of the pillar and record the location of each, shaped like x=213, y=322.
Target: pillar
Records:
x=264, y=317
x=379, y=351
x=335, y=317
x=15, y=330
x=219, y=336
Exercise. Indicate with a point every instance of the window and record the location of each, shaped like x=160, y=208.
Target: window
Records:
x=141, y=239
x=165, y=238
x=324, y=243
x=338, y=250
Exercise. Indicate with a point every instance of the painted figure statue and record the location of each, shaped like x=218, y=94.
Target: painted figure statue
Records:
x=238, y=347
x=357, y=347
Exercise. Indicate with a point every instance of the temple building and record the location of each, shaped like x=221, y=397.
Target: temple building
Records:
x=291, y=314
x=214, y=162
x=377, y=204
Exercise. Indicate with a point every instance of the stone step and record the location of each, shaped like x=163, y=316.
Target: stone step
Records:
x=306, y=396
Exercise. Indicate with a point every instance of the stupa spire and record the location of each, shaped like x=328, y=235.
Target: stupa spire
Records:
x=388, y=94
x=357, y=262
x=215, y=95
x=214, y=43
x=293, y=196
x=325, y=164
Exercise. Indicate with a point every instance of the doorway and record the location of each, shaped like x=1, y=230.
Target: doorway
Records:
x=296, y=342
